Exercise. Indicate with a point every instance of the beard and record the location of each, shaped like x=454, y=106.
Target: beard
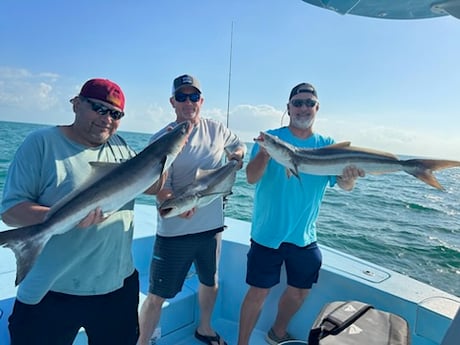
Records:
x=302, y=122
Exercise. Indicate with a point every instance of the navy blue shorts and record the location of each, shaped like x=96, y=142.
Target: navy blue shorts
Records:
x=302, y=265
x=173, y=257
x=108, y=319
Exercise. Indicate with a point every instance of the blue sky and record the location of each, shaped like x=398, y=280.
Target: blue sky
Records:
x=392, y=85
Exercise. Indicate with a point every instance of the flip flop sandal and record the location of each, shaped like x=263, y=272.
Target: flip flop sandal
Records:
x=209, y=339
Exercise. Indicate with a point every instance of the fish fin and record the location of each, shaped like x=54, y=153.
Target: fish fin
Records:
x=103, y=167
x=26, y=243
x=339, y=145
x=343, y=144
x=290, y=172
x=371, y=151
x=108, y=213
x=296, y=173
x=423, y=168
x=428, y=178
x=439, y=164
x=345, y=148
x=200, y=173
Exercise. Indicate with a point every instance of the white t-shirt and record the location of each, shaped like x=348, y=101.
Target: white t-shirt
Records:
x=204, y=149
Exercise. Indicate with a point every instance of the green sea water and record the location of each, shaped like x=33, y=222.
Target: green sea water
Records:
x=393, y=220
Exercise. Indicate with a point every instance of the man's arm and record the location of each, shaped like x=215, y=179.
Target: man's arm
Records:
x=28, y=213
x=156, y=187
x=24, y=214
x=256, y=167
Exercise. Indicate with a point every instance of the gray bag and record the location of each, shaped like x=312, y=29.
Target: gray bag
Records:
x=355, y=323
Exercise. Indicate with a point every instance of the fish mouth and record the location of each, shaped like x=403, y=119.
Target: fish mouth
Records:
x=165, y=211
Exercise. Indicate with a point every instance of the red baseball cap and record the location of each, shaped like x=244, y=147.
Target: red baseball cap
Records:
x=104, y=90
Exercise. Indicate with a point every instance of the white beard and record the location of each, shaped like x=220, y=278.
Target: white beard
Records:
x=302, y=123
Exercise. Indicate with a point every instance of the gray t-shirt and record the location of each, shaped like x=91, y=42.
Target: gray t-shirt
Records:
x=204, y=149
x=91, y=261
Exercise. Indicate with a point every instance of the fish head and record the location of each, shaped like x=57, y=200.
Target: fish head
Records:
x=267, y=141
x=275, y=147
x=207, y=186
x=261, y=138
x=175, y=206
x=281, y=151
x=271, y=142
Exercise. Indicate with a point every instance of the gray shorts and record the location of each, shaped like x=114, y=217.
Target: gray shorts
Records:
x=173, y=257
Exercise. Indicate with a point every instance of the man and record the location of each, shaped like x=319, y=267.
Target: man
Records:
x=83, y=277
x=195, y=235
x=283, y=227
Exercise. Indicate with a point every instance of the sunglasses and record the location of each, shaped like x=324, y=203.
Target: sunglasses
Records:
x=182, y=97
x=102, y=110
x=310, y=103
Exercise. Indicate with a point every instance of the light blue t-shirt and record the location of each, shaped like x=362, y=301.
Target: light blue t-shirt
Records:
x=90, y=261
x=205, y=149
x=286, y=208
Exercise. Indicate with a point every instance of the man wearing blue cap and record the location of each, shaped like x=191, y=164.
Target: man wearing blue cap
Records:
x=195, y=235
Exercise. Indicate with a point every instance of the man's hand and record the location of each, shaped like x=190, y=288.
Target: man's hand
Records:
x=93, y=218
x=188, y=214
x=237, y=156
x=157, y=186
x=350, y=173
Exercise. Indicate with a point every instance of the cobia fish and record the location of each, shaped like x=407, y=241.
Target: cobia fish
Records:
x=207, y=187
x=331, y=160
x=113, y=186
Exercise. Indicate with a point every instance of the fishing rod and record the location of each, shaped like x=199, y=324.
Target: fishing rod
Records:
x=229, y=75
x=225, y=198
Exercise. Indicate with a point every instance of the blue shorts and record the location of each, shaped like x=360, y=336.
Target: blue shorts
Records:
x=173, y=257
x=302, y=265
x=108, y=319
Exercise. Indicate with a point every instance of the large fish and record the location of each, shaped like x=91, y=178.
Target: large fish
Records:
x=113, y=186
x=331, y=160
x=207, y=187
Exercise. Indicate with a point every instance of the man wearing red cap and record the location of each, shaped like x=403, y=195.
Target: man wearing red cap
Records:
x=84, y=277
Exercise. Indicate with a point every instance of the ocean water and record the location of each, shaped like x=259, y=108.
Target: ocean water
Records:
x=392, y=220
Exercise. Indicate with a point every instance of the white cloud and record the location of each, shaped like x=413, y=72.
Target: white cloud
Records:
x=21, y=89
x=395, y=139
x=248, y=120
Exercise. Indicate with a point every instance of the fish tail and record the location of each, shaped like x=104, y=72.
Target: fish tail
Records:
x=423, y=169
x=26, y=243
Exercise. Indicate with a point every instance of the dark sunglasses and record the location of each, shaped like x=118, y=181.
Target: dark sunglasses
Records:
x=102, y=110
x=182, y=97
x=307, y=102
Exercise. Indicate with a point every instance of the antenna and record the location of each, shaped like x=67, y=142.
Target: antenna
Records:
x=229, y=75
